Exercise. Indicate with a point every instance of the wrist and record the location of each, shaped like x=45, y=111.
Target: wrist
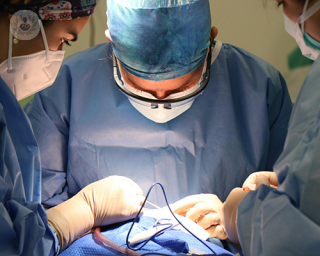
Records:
x=229, y=213
x=70, y=220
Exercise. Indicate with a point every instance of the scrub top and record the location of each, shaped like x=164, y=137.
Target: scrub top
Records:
x=24, y=226
x=87, y=129
x=286, y=221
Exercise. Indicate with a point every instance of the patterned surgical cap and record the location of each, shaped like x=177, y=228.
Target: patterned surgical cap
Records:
x=51, y=10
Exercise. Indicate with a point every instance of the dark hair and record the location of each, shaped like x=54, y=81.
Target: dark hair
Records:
x=47, y=23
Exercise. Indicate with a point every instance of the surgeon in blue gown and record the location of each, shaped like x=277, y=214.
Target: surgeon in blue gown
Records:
x=88, y=129
x=282, y=216
x=30, y=59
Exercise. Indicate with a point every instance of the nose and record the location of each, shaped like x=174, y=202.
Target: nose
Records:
x=160, y=94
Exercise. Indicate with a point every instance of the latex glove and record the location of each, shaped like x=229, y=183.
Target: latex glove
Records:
x=229, y=214
x=205, y=210
x=113, y=199
x=257, y=178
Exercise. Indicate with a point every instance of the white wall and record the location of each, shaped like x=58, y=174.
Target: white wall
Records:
x=244, y=23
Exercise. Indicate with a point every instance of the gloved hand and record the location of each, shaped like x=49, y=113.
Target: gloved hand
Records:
x=257, y=178
x=113, y=199
x=205, y=210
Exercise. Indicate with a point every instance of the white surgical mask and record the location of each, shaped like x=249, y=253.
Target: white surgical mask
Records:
x=26, y=75
x=294, y=30
x=162, y=113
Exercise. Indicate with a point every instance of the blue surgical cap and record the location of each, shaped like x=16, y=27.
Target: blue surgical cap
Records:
x=159, y=39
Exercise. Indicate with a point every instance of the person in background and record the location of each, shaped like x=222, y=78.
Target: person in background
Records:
x=192, y=113
x=33, y=34
x=280, y=216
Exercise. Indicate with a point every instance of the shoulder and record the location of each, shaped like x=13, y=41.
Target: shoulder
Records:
x=311, y=84
x=307, y=103
x=242, y=58
x=78, y=65
x=89, y=56
x=78, y=71
x=315, y=72
x=253, y=77
x=239, y=53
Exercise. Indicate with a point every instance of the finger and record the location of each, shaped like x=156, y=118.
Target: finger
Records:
x=253, y=177
x=249, y=187
x=218, y=232
x=209, y=220
x=250, y=180
x=262, y=179
x=273, y=179
x=184, y=205
x=199, y=211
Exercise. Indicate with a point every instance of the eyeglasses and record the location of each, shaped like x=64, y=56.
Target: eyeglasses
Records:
x=166, y=102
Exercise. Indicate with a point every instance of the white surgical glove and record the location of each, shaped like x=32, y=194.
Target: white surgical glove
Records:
x=111, y=200
x=205, y=210
x=229, y=213
x=258, y=178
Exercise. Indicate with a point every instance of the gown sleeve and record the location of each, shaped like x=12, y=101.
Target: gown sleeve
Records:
x=279, y=110
x=24, y=226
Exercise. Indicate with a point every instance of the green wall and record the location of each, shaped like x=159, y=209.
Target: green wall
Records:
x=24, y=101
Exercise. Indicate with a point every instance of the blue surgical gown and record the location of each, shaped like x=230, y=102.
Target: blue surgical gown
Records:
x=87, y=129
x=24, y=229
x=286, y=221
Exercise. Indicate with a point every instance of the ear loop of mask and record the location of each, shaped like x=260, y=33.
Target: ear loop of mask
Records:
x=306, y=14
x=10, y=69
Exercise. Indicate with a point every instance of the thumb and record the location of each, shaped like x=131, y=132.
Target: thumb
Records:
x=262, y=179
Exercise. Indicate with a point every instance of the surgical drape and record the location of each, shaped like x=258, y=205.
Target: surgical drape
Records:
x=170, y=242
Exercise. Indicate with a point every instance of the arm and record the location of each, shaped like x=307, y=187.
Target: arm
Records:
x=254, y=180
x=107, y=201
x=279, y=111
x=24, y=226
x=285, y=221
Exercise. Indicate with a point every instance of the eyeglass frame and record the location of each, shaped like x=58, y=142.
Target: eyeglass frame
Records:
x=198, y=91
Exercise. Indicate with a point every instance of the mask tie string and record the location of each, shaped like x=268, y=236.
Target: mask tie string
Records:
x=10, y=50
x=44, y=38
x=306, y=14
